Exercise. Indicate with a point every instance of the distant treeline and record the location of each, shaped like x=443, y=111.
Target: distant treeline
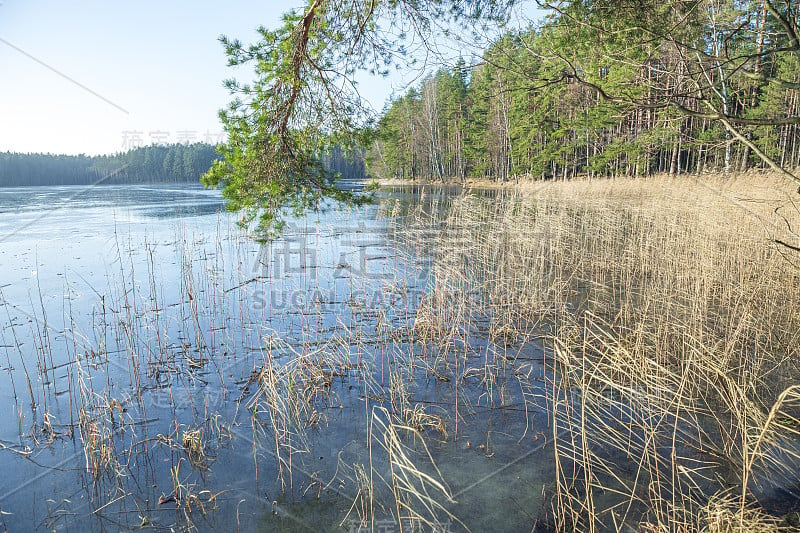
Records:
x=146, y=164
x=349, y=164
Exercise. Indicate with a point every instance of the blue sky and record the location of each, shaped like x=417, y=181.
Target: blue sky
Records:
x=160, y=62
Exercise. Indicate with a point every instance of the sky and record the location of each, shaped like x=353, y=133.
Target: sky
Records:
x=98, y=77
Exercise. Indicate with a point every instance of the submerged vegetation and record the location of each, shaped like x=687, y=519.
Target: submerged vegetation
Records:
x=571, y=356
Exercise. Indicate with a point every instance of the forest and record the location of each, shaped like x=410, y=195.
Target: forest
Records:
x=576, y=99
x=146, y=164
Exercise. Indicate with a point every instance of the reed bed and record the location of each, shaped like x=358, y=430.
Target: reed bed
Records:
x=668, y=308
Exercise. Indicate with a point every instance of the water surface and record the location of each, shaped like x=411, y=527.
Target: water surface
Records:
x=135, y=317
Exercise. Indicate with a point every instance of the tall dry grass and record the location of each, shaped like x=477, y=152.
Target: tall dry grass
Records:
x=669, y=308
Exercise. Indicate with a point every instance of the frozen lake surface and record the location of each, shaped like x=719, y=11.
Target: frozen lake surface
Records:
x=160, y=369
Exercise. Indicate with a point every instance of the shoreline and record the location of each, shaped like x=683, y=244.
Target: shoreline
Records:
x=767, y=175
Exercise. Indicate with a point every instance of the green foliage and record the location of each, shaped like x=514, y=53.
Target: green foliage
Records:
x=303, y=100
x=280, y=125
x=603, y=88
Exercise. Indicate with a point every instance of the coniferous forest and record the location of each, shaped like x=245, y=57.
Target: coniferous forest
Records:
x=570, y=99
x=146, y=164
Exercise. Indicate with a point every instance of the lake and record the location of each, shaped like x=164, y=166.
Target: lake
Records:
x=159, y=368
